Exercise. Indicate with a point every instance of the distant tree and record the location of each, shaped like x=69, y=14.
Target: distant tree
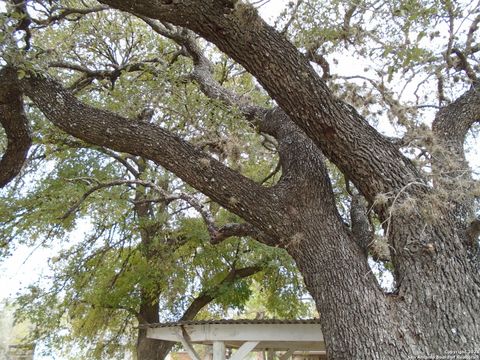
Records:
x=144, y=260
x=13, y=335
x=413, y=199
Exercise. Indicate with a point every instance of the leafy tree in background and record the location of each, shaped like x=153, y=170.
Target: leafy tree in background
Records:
x=146, y=256
x=137, y=261
x=12, y=335
x=413, y=198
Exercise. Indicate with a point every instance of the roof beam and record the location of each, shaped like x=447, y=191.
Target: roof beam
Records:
x=244, y=350
x=301, y=333
x=188, y=347
x=287, y=355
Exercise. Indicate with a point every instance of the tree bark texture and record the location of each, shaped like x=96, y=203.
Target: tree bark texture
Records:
x=17, y=129
x=435, y=310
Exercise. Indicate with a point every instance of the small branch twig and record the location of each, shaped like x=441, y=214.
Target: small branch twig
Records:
x=473, y=231
x=217, y=234
x=65, y=12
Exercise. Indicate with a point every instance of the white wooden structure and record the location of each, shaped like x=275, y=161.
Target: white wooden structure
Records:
x=286, y=336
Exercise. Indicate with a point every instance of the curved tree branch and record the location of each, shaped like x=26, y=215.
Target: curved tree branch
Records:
x=462, y=64
x=217, y=234
x=469, y=48
x=88, y=75
x=17, y=129
x=224, y=185
x=450, y=128
x=64, y=13
x=344, y=136
x=241, y=229
x=209, y=295
x=452, y=123
x=320, y=60
x=292, y=18
x=118, y=158
x=100, y=186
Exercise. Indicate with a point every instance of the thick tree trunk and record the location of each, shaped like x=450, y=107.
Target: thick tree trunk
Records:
x=434, y=313
x=438, y=283
x=356, y=317
x=436, y=308
x=17, y=130
x=150, y=349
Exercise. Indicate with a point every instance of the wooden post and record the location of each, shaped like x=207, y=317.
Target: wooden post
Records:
x=271, y=354
x=218, y=350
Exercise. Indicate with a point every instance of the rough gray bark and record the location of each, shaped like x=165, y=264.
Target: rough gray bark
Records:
x=451, y=169
x=435, y=309
x=15, y=124
x=237, y=30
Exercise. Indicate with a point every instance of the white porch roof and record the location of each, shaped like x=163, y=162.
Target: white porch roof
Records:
x=288, y=336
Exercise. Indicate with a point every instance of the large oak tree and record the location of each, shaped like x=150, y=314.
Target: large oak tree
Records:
x=428, y=217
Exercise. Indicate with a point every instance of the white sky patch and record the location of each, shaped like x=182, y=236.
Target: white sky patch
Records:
x=269, y=10
x=28, y=264
x=19, y=270
x=472, y=152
